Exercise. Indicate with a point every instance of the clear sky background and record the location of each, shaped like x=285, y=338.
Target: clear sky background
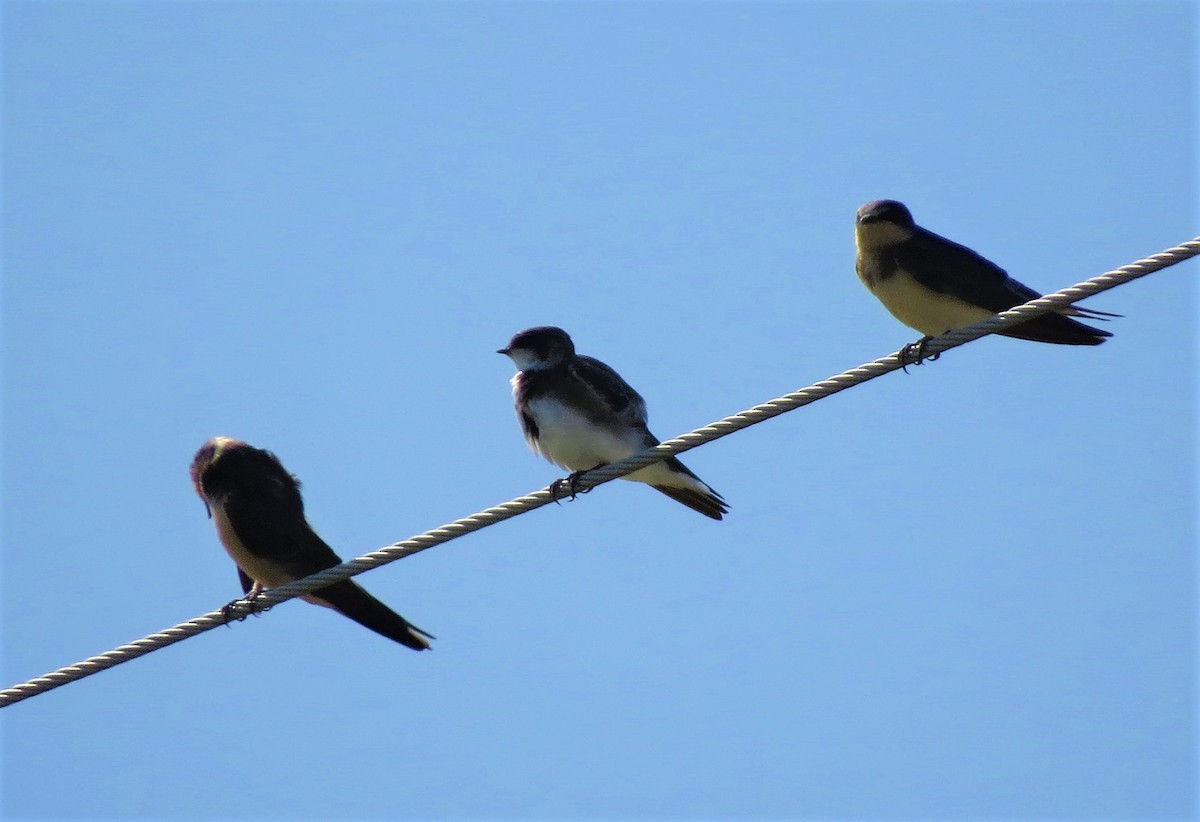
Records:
x=965, y=592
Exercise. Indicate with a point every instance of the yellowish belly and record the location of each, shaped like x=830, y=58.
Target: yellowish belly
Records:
x=927, y=311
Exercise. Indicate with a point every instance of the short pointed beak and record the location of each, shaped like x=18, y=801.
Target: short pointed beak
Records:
x=502, y=350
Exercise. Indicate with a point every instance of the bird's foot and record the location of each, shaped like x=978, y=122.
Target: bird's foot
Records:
x=227, y=612
x=251, y=595
x=571, y=483
x=914, y=354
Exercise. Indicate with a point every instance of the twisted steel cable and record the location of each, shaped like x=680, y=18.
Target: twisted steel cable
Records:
x=521, y=505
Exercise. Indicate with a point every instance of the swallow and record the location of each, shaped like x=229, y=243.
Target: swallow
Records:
x=935, y=285
x=579, y=414
x=259, y=513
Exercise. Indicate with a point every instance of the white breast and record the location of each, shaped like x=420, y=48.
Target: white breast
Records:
x=571, y=441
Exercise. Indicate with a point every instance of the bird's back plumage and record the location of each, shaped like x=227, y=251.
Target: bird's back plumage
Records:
x=583, y=387
x=260, y=518
x=579, y=413
x=936, y=285
x=946, y=267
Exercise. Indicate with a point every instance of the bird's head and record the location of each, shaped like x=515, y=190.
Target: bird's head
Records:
x=205, y=458
x=541, y=347
x=882, y=223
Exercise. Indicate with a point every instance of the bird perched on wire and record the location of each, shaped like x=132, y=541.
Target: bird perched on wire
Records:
x=578, y=413
x=934, y=285
x=259, y=513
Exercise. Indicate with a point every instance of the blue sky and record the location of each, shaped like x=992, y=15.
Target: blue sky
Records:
x=966, y=592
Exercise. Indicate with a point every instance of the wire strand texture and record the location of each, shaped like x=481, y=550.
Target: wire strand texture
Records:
x=241, y=608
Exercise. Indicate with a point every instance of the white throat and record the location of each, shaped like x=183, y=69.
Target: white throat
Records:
x=526, y=360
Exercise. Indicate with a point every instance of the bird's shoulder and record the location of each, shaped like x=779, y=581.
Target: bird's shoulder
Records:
x=254, y=479
x=264, y=507
x=584, y=384
x=609, y=388
x=947, y=267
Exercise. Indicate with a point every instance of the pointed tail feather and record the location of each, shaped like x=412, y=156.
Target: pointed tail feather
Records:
x=693, y=492
x=1055, y=328
x=1090, y=313
x=710, y=504
x=350, y=600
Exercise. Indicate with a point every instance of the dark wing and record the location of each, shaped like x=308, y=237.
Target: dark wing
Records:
x=351, y=600
x=946, y=267
x=610, y=390
x=260, y=501
x=266, y=512
x=247, y=582
x=949, y=268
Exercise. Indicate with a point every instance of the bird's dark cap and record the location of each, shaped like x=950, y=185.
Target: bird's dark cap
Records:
x=886, y=211
x=543, y=340
x=209, y=453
